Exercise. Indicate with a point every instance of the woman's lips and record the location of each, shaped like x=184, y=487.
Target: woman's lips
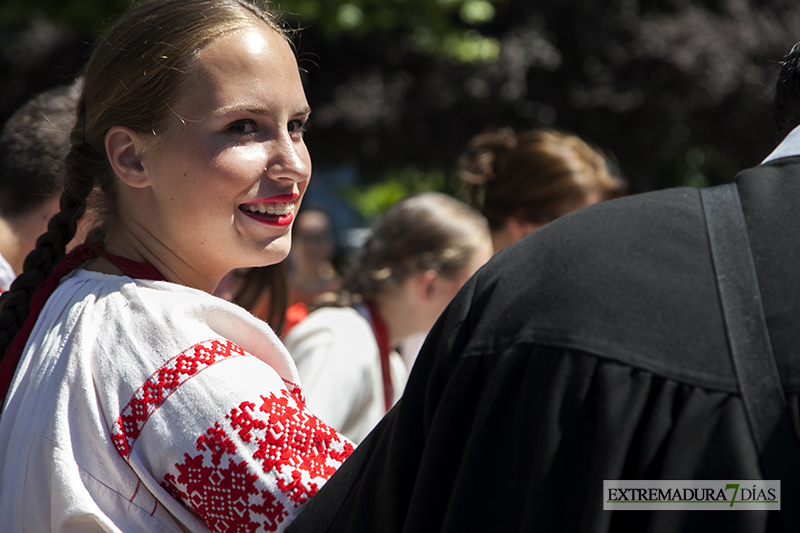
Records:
x=276, y=210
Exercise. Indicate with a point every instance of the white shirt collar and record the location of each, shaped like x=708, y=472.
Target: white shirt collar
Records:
x=790, y=146
x=6, y=274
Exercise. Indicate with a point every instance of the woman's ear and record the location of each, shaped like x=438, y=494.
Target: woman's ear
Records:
x=519, y=227
x=125, y=148
x=426, y=284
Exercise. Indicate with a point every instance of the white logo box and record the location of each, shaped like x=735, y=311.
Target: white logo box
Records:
x=717, y=495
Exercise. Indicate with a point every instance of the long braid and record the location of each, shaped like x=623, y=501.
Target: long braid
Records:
x=124, y=84
x=50, y=247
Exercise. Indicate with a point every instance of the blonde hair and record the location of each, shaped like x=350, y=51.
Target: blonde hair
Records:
x=142, y=66
x=427, y=231
x=523, y=174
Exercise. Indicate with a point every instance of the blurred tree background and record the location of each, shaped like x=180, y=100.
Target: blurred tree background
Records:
x=677, y=91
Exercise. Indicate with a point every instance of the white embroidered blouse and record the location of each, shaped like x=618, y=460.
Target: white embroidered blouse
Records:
x=149, y=406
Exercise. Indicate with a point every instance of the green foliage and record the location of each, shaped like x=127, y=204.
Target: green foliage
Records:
x=696, y=158
x=468, y=47
x=444, y=28
x=703, y=165
x=677, y=90
x=86, y=17
x=440, y=27
x=476, y=12
x=372, y=201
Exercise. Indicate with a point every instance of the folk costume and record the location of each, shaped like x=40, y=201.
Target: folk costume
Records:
x=143, y=405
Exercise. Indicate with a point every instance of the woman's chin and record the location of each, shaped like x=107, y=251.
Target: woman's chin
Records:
x=276, y=251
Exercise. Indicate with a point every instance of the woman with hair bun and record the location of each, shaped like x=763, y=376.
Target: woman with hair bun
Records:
x=135, y=400
x=522, y=181
x=414, y=261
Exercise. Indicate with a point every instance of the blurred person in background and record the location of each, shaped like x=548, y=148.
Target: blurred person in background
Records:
x=310, y=267
x=33, y=146
x=414, y=261
x=521, y=181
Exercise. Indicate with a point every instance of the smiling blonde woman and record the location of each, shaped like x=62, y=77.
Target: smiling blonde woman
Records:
x=134, y=399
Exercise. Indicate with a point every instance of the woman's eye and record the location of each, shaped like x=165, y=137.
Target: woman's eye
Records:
x=242, y=127
x=298, y=127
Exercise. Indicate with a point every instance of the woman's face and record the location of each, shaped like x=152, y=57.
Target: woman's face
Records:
x=313, y=238
x=228, y=174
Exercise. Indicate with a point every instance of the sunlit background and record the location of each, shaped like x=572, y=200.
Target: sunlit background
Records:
x=677, y=92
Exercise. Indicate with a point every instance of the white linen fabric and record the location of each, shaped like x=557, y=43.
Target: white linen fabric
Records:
x=340, y=368
x=7, y=274
x=149, y=406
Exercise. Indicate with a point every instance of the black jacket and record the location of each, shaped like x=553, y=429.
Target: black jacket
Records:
x=593, y=349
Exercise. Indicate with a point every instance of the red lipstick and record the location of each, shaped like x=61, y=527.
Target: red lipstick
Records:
x=274, y=211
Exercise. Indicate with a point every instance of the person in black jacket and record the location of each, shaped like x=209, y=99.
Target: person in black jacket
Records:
x=594, y=349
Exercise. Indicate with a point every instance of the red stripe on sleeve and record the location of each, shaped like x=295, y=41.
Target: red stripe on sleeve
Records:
x=162, y=383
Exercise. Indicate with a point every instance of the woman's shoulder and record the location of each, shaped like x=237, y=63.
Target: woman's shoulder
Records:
x=112, y=293
x=144, y=317
x=332, y=333
x=342, y=321
x=125, y=330
x=100, y=300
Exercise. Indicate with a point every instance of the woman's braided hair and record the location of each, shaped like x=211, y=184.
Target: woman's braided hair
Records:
x=141, y=67
x=428, y=231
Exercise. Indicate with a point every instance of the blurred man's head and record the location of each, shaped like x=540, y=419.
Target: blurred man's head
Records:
x=34, y=143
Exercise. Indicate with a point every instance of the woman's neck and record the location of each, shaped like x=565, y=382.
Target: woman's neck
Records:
x=130, y=245
x=397, y=313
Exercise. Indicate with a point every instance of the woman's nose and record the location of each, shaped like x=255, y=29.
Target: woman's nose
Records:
x=288, y=158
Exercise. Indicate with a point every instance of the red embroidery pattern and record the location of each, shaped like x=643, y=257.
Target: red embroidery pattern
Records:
x=163, y=382
x=296, y=451
x=296, y=392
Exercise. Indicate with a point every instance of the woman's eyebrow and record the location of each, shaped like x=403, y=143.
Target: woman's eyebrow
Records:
x=255, y=110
